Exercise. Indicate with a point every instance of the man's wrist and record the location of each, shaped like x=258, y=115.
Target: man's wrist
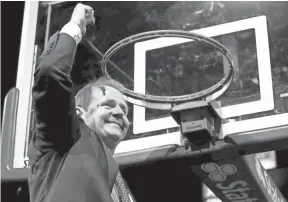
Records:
x=73, y=30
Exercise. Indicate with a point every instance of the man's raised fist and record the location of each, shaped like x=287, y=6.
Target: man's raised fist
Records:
x=83, y=15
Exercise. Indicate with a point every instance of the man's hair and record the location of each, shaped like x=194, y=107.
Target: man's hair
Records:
x=84, y=96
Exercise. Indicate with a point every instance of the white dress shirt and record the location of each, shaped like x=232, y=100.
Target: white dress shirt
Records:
x=73, y=30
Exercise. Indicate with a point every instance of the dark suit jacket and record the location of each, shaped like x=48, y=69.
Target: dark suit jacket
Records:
x=68, y=161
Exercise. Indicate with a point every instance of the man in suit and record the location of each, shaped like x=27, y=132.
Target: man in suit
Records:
x=75, y=138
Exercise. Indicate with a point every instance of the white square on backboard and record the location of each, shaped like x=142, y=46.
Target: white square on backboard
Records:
x=266, y=102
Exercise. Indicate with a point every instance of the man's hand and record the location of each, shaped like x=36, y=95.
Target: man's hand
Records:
x=83, y=15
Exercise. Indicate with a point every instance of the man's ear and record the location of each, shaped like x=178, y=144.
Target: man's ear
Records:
x=80, y=112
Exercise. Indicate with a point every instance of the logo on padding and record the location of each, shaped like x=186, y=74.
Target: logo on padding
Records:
x=218, y=173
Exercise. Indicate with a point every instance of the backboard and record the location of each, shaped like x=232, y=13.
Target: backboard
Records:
x=242, y=111
x=257, y=98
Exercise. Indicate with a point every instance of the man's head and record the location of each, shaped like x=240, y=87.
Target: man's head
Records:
x=103, y=108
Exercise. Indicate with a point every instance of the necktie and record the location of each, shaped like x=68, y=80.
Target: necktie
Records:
x=122, y=189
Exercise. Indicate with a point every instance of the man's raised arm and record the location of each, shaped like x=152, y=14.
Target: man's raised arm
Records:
x=56, y=120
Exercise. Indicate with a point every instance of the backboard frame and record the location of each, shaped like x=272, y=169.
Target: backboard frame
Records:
x=24, y=79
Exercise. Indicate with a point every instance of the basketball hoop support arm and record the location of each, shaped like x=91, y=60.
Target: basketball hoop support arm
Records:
x=232, y=176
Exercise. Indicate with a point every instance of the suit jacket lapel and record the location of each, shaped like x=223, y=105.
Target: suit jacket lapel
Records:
x=111, y=167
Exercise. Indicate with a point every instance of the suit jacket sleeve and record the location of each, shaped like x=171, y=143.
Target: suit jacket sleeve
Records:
x=56, y=119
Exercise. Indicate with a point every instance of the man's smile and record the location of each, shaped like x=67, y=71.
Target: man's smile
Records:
x=114, y=123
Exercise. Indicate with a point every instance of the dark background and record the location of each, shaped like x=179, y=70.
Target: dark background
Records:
x=11, y=27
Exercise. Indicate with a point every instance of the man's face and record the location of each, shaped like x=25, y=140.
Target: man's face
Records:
x=107, y=115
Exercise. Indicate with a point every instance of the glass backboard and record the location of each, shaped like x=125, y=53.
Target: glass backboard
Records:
x=254, y=34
